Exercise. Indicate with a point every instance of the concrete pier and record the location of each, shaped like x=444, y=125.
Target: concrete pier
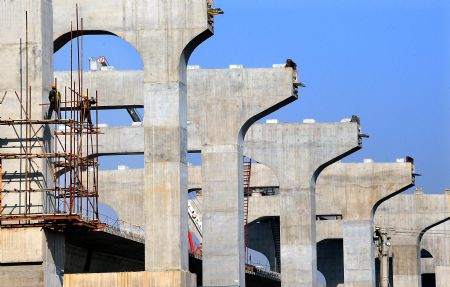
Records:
x=222, y=106
x=409, y=217
x=28, y=256
x=165, y=34
x=297, y=153
x=354, y=191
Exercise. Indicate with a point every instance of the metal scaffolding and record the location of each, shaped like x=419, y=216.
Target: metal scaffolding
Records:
x=68, y=146
x=71, y=157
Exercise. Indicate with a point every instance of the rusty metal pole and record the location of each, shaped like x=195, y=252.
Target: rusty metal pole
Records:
x=96, y=157
x=1, y=187
x=26, y=109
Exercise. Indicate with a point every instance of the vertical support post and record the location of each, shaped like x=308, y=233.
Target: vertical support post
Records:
x=1, y=187
x=384, y=260
x=359, y=265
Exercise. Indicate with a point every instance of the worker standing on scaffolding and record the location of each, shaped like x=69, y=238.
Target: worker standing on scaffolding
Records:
x=86, y=109
x=55, y=101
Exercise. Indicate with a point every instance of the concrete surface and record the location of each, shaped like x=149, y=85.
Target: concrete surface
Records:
x=161, y=32
x=28, y=257
x=437, y=241
x=408, y=217
x=119, y=186
x=354, y=190
x=144, y=279
x=442, y=276
x=241, y=96
x=223, y=104
x=297, y=153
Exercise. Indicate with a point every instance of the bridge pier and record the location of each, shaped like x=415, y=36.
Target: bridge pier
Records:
x=353, y=191
x=297, y=153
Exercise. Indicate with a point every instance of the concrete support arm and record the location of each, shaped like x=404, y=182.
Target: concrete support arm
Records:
x=117, y=89
x=123, y=190
x=117, y=141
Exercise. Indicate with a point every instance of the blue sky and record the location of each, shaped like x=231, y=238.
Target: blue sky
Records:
x=386, y=61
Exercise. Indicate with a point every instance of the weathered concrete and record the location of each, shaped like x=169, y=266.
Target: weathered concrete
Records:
x=442, y=276
x=117, y=88
x=117, y=187
x=40, y=70
x=409, y=217
x=31, y=257
x=28, y=257
x=165, y=34
x=144, y=279
x=297, y=153
x=437, y=241
x=241, y=96
x=222, y=106
x=354, y=190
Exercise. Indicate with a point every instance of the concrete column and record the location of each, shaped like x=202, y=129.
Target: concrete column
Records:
x=174, y=30
x=297, y=153
x=406, y=268
x=442, y=276
x=28, y=256
x=359, y=267
x=224, y=254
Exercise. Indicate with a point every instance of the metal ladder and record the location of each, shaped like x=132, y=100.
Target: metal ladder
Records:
x=275, y=224
x=247, y=193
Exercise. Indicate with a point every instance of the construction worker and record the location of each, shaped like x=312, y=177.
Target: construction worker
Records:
x=291, y=64
x=55, y=101
x=86, y=109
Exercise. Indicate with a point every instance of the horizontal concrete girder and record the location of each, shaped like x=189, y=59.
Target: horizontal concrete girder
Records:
x=253, y=91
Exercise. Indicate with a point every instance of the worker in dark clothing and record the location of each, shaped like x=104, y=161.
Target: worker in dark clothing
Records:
x=55, y=101
x=86, y=109
x=291, y=64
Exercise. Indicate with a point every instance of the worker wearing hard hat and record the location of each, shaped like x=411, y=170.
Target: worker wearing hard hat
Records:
x=55, y=101
x=86, y=109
